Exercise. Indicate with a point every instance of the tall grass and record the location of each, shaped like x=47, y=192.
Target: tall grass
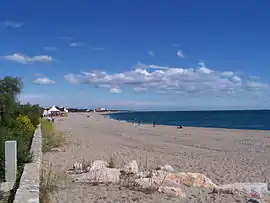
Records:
x=48, y=181
x=51, y=138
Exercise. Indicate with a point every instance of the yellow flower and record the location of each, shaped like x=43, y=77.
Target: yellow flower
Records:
x=24, y=124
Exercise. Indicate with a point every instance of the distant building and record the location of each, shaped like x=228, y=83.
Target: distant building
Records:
x=100, y=110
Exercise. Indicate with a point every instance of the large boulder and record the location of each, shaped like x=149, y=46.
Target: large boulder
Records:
x=188, y=179
x=99, y=164
x=161, y=185
x=148, y=182
x=167, y=168
x=254, y=191
x=102, y=175
x=131, y=168
x=191, y=179
x=79, y=167
x=175, y=191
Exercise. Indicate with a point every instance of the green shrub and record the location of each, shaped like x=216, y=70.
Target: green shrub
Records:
x=17, y=122
x=24, y=125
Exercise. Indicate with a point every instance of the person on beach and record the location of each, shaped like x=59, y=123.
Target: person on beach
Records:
x=139, y=122
x=154, y=124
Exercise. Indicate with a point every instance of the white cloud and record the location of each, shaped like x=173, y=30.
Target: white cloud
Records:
x=158, y=67
x=11, y=24
x=203, y=69
x=163, y=79
x=227, y=73
x=151, y=53
x=81, y=44
x=49, y=48
x=256, y=85
x=201, y=64
x=20, y=58
x=236, y=78
x=180, y=53
x=44, y=81
x=115, y=90
x=76, y=44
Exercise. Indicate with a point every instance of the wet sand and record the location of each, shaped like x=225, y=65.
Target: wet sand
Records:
x=223, y=155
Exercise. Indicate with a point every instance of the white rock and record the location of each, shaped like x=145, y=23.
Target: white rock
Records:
x=99, y=164
x=143, y=174
x=258, y=191
x=191, y=179
x=103, y=175
x=132, y=167
x=77, y=166
x=164, y=186
x=56, y=150
x=148, y=182
x=155, y=174
x=176, y=191
x=168, y=168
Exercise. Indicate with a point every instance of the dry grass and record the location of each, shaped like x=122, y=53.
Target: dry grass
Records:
x=48, y=182
x=86, y=165
x=136, y=187
x=51, y=138
x=128, y=179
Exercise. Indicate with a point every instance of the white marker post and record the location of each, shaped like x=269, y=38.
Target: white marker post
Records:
x=10, y=162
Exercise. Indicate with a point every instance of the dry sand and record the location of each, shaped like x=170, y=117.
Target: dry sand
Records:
x=223, y=155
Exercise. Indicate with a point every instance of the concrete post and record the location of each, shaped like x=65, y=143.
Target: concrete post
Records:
x=10, y=162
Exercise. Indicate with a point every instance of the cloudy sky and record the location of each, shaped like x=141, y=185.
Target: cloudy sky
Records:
x=146, y=55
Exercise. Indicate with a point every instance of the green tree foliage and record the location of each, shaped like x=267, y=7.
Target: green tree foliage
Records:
x=17, y=121
x=10, y=88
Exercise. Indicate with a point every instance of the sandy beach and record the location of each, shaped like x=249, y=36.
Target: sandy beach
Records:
x=223, y=155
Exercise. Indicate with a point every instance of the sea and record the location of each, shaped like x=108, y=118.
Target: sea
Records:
x=236, y=119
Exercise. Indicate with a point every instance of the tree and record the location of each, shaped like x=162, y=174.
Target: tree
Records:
x=10, y=87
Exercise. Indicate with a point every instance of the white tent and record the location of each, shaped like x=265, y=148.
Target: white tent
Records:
x=53, y=110
x=65, y=110
x=45, y=113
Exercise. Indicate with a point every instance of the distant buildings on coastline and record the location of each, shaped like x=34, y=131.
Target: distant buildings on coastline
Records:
x=57, y=110
x=100, y=110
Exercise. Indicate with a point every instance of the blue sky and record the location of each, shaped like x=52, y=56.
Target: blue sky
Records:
x=148, y=55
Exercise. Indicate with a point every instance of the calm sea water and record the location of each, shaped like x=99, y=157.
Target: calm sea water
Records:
x=256, y=120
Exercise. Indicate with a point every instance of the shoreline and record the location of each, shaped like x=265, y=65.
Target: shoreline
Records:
x=162, y=125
